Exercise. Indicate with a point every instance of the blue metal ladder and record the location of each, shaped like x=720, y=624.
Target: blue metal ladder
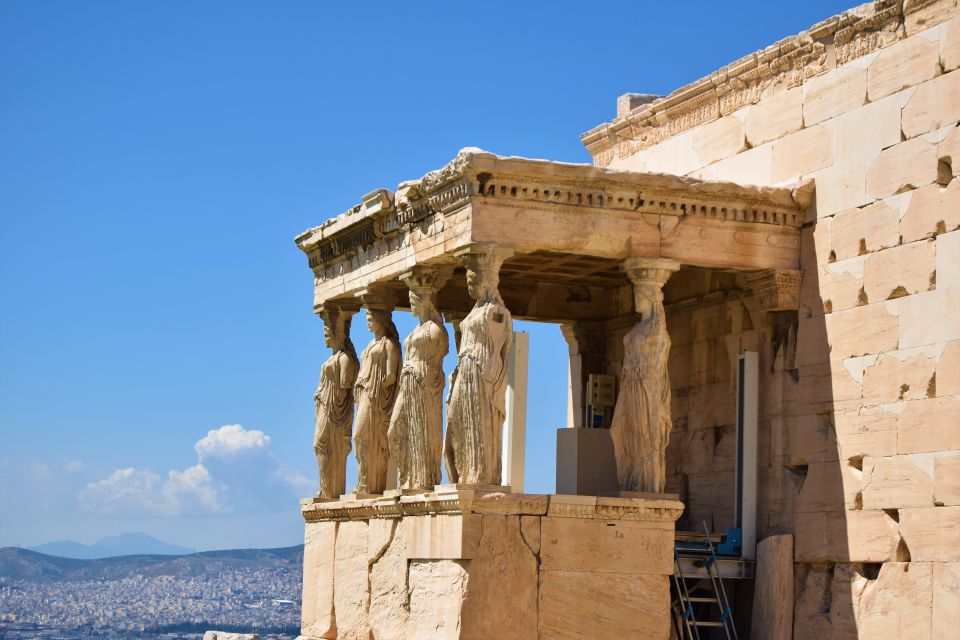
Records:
x=714, y=597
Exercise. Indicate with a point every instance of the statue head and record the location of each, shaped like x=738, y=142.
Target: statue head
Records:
x=336, y=329
x=483, y=273
x=380, y=324
x=646, y=298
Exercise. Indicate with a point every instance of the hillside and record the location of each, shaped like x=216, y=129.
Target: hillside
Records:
x=23, y=564
x=125, y=544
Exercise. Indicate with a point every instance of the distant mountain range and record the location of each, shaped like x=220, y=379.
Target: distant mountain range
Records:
x=24, y=564
x=125, y=544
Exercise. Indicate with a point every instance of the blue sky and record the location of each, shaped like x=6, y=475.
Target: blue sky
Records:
x=158, y=353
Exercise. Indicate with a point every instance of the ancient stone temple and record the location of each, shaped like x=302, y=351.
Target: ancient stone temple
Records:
x=758, y=280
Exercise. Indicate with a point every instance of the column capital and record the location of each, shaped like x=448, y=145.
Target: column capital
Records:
x=776, y=289
x=378, y=296
x=484, y=255
x=427, y=278
x=330, y=308
x=649, y=271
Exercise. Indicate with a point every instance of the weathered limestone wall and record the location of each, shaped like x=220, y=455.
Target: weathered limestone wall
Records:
x=860, y=444
x=493, y=566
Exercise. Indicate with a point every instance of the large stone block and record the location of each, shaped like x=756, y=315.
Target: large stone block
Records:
x=904, y=64
x=897, y=604
x=575, y=544
x=930, y=425
x=501, y=600
x=899, y=375
x=909, y=165
x=948, y=370
x=892, y=483
x=388, y=579
x=863, y=330
x=866, y=432
x=948, y=261
x=748, y=167
x=317, y=615
x=351, y=585
x=828, y=486
x=920, y=15
x=826, y=603
x=773, y=592
x=801, y=153
x=946, y=479
x=933, y=105
x=775, y=116
x=860, y=231
x=931, y=210
x=841, y=186
x=850, y=536
x=587, y=606
x=437, y=590
x=719, y=139
x=868, y=129
x=899, y=271
x=932, y=534
x=835, y=92
x=437, y=537
x=950, y=45
x=917, y=312
x=946, y=600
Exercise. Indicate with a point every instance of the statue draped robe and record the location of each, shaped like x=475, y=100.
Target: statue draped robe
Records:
x=641, y=420
x=477, y=401
x=333, y=403
x=416, y=425
x=375, y=400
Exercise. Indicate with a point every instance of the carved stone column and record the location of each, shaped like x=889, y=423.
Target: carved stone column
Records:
x=333, y=401
x=376, y=390
x=474, y=440
x=416, y=424
x=641, y=420
x=778, y=294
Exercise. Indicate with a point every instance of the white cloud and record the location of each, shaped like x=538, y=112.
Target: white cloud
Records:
x=132, y=490
x=230, y=440
x=235, y=471
x=291, y=477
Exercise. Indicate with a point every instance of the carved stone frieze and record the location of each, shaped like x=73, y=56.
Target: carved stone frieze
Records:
x=787, y=63
x=776, y=289
x=445, y=501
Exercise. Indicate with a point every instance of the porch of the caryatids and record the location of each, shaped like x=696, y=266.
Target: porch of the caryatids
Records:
x=475, y=414
x=415, y=434
x=333, y=400
x=641, y=420
x=376, y=391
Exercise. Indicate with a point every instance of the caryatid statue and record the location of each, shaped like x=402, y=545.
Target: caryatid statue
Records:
x=641, y=420
x=416, y=424
x=478, y=397
x=376, y=390
x=333, y=402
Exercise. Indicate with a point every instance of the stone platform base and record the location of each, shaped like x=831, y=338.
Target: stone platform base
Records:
x=460, y=563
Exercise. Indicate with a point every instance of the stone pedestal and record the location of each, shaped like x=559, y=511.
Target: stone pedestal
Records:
x=462, y=563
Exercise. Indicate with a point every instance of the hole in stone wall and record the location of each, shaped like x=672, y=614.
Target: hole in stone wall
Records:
x=871, y=570
x=798, y=473
x=903, y=551
x=856, y=462
x=894, y=514
x=899, y=292
x=944, y=171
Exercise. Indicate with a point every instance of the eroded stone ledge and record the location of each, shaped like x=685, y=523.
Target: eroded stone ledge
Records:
x=467, y=501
